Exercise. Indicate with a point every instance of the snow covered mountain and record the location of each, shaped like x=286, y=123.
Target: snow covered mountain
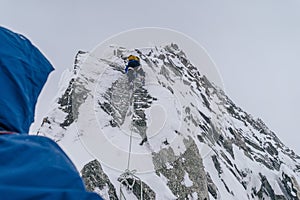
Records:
x=172, y=135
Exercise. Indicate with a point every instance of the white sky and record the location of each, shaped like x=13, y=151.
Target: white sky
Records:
x=255, y=44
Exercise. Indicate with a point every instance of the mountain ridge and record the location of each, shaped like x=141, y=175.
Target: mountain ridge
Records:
x=206, y=147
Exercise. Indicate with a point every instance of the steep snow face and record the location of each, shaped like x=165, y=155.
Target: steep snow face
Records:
x=182, y=136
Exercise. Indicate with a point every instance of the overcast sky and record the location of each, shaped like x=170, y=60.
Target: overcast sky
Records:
x=255, y=44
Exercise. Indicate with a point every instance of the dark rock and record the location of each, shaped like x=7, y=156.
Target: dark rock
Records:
x=94, y=178
x=271, y=149
x=212, y=188
x=290, y=186
x=175, y=174
x=205, y=101
x=217, y=164
x=265, y=189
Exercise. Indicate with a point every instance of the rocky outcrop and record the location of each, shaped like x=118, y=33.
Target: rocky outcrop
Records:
x=96, y=180
x=185, y=174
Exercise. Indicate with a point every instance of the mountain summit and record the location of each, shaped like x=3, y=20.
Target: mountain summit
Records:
x=173, y=134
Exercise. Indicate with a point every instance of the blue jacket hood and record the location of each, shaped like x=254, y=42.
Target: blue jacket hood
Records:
x=23, y=73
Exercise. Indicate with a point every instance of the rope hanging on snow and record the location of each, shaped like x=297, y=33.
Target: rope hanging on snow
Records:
x=128, y=179
x=130, y=145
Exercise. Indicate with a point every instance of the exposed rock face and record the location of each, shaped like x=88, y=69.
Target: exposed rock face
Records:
x=117, y=101
x=205, y=146
x=67, y=102
x=178, y=170
x=96, y=180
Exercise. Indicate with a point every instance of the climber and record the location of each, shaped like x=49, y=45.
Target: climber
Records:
x=32, y=167
x=133, y=68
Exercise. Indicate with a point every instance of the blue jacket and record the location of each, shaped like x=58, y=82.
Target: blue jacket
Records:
x=133, y=64
x=31, y=167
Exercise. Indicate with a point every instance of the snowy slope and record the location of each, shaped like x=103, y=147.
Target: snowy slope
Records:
x=200, y=145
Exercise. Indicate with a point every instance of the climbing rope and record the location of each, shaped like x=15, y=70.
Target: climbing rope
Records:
x=129, y=150
x=129, y=174
x=131, y=127
x=127, y=179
